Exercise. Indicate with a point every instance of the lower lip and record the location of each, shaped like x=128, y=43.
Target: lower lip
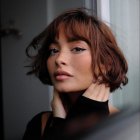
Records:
x=62, y=77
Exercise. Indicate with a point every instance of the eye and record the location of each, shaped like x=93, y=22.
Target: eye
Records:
x=53, y=51
x=78, y=49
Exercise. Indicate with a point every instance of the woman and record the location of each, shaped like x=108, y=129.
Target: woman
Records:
x=78, y=55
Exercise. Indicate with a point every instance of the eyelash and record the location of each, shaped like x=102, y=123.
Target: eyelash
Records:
x=78, y=49
x=53, y=51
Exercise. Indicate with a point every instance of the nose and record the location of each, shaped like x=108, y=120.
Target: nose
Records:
x=61, y=59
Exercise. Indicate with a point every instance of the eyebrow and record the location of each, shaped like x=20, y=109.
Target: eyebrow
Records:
x=55, y=41
x=69, y=40
x=76, y=39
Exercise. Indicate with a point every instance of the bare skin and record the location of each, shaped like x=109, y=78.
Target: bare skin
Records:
x=70, y=69
x=95, y=92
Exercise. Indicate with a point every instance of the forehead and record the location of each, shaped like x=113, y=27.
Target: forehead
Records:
x=71, y=33
x=62, y=38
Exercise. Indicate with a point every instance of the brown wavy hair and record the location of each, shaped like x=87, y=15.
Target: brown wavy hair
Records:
x=108, y=62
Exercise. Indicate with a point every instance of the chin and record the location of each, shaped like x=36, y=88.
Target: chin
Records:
x=69, y=89
x=63, y=90
x=63, y=87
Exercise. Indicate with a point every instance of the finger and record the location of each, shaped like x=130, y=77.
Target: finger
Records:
x=89, y=90
x=97, y=92
x=92, y=91
x=104, y=93
x=100, y=96
x=107, y=93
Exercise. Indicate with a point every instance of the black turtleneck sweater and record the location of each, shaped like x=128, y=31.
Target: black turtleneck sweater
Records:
x=82, y=116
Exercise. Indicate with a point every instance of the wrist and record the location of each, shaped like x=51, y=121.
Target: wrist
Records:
x=59, y=114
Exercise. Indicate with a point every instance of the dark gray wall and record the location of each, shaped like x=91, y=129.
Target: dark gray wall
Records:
x=56, y=7
x=24, y=96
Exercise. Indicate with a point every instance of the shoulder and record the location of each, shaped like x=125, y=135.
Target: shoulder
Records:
x=37, y=118
x=44, y=119
x=33, y=128
x=113, y=109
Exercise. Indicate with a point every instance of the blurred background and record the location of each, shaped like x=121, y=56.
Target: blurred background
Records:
x=21, y=96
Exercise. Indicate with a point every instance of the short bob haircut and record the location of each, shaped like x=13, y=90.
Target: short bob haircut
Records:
x=108, y=62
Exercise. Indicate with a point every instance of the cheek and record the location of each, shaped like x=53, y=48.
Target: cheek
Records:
x=83, y=64
x=49, y=64
x=83, y=67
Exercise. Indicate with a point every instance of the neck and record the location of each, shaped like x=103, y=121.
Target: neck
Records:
x=74, y=96
x=71, y=98
x=68, y=99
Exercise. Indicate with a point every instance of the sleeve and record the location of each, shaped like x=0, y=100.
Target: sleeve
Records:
x=85, y=114
x=55, y=129
x=82, y=116
x=33, y=128
x=85, y=106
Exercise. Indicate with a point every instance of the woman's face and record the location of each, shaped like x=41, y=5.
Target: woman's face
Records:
x=70, y=64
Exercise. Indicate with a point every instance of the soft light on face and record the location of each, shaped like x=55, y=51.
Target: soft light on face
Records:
x=69, y=65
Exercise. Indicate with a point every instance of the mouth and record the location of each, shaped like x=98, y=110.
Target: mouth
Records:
x=62, y=75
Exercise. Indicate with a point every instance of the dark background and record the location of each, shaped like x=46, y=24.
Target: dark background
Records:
x=22, y=97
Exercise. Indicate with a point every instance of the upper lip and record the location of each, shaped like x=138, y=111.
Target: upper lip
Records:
x=61, y=72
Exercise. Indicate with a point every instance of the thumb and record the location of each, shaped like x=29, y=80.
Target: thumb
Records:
x=57, y=106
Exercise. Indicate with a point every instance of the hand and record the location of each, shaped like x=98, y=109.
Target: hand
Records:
x=57, y=106
x=98, y=92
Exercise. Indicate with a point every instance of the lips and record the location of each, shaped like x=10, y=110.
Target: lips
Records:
x=62, y=75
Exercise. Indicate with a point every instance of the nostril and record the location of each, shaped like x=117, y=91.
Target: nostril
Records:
x=61, y=58
x=60, y=62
